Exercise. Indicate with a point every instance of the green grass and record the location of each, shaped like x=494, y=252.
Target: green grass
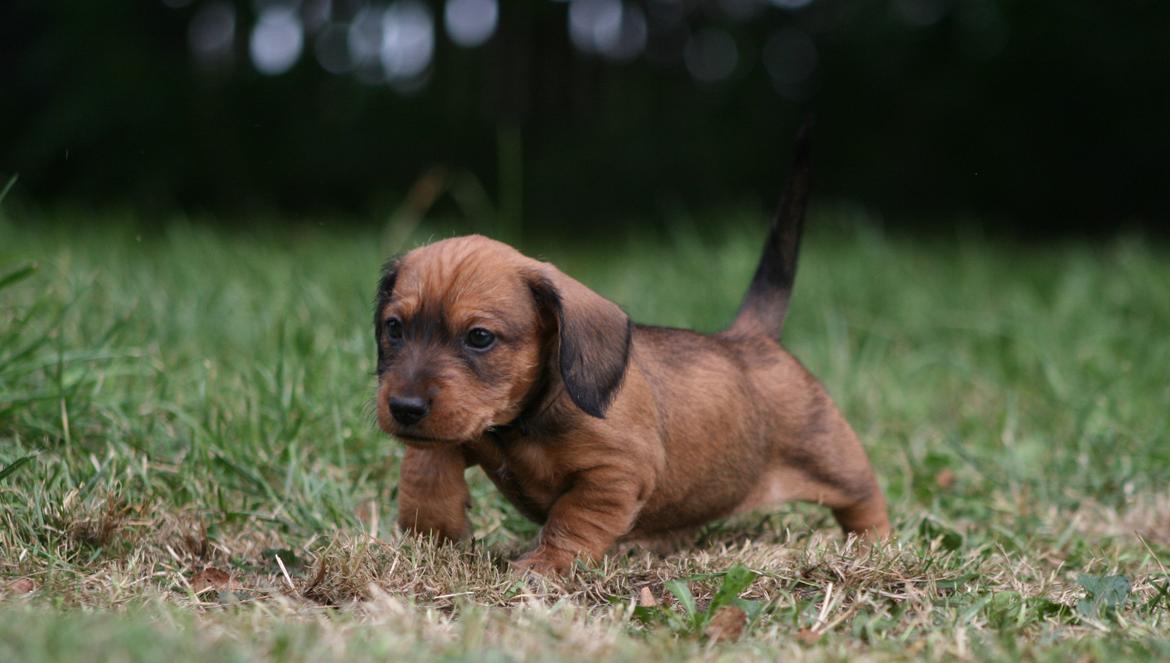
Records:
x=194, y=398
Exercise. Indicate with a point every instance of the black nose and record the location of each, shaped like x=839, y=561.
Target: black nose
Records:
x=408, y=410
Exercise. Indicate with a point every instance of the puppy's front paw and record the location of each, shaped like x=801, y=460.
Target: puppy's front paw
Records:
x=545, y=560
x=451, y=531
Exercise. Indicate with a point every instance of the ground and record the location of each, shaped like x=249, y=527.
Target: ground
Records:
x=189, y=465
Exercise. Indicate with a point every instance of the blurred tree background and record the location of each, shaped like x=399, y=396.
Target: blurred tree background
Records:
x=1036, y=116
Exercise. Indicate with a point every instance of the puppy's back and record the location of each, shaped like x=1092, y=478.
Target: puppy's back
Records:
x=715, y=410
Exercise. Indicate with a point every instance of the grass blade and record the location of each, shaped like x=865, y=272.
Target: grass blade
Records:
x=8, y=187
x=14, y=466
x=17, y=275
x=735, y=581
x=683, y=595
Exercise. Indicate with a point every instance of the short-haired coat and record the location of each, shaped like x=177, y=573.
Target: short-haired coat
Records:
x=599, y=429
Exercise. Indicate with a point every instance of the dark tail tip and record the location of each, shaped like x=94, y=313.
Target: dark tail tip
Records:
x=765, y=306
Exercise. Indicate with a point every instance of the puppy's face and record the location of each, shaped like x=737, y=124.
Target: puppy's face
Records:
x=469, y=328
x=460, y=340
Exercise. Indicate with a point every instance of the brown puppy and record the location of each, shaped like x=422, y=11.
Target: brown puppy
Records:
x=599, y=429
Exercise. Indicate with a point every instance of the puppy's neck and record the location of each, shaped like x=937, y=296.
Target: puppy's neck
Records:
x=539, y=416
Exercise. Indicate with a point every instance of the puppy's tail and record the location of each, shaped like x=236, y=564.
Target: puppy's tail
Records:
x=765, y=305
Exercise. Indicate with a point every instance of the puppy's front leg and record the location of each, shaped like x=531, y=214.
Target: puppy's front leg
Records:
x=432, y=493
x=587, y=520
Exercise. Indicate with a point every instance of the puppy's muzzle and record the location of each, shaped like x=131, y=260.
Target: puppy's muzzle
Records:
x=409, y=410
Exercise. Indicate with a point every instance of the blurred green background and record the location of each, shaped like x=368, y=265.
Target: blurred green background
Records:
x=1035, y=117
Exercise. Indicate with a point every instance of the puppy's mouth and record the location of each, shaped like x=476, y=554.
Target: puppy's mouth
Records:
x=425, y=433
x=423, y=439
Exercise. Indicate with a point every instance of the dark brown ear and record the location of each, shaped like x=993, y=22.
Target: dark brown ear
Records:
x=593, y=338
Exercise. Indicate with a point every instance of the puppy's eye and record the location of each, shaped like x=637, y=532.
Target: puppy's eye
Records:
x=394, y=329
x=479, y=338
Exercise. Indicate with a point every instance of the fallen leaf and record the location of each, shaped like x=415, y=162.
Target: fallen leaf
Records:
x=1105, y=595
x=727, y=624
x=318, y=578
x=945, y=478
x=22, y=586
x=210, y=578
x=646, y=599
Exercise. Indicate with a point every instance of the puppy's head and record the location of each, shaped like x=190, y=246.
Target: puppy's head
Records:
x=469, y=331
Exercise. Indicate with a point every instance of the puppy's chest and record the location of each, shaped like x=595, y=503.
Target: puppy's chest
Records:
x=528, y=474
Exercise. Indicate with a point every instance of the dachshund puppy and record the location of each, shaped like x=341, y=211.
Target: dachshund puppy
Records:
x=599, y=429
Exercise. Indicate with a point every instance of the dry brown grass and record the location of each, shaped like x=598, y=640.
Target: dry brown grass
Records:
x=823, y=596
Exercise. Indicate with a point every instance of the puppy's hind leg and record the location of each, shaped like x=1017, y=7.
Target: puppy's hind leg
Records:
x=834, y=470
x=866, y=515
x=826, y=465
x=855, y=499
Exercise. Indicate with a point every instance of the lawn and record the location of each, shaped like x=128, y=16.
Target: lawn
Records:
x=189, y=465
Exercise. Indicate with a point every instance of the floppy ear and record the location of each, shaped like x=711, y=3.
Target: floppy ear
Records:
x=593, y=338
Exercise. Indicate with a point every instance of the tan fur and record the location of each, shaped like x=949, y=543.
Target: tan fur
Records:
x=699, y=428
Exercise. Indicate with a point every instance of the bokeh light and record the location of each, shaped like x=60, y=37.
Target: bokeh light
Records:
x=276, y=41
x=711, y=55
x=212, y=33
x=629, y=40
x=594, y=22
x=609, y=28
x=365, y=36
x=408, y=41
x=470, y=23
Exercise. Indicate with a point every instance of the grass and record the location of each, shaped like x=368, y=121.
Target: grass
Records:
x=189, y=466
